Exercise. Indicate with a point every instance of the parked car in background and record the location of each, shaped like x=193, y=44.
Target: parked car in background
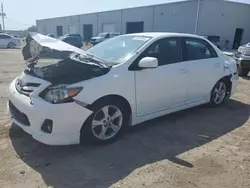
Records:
x=52, y=35
x=74, y=35
x=243, y=59
x=9, y=41
x=102, y=36
x=129, y=79
x=74, y=41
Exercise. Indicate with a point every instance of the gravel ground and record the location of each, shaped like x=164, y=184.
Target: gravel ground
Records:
x=200, y=147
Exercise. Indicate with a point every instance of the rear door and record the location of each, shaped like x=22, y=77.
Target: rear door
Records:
x=206, y=68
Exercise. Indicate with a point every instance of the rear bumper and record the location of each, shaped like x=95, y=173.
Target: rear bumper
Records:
x=243, y=63
x=67, y=118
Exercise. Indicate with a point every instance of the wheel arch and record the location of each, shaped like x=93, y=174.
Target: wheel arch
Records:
x=228, y=82
x=114, y=97
x=124, y=101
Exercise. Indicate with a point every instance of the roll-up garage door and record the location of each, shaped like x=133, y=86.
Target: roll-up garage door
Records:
x=108, y=27
x=72, y=29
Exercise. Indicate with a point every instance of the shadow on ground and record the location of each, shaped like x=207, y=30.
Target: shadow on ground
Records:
x=156, y=140
x=246, y=77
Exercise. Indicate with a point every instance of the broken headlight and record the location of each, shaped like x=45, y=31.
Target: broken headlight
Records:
x=60, y=95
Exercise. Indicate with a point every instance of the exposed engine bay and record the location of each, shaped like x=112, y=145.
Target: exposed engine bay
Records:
x=74, y=64
x=67, y=71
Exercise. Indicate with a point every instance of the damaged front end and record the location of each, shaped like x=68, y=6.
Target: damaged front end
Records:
x=74, y=65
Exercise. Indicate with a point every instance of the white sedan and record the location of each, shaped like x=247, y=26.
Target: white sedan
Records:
x=129, y=79
x=8, y=41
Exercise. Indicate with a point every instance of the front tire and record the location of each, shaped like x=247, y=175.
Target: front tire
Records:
x=219, y=93
x=107, y=123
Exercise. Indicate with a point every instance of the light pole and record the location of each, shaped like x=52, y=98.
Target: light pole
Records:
x=197, y=17
x=2, y=14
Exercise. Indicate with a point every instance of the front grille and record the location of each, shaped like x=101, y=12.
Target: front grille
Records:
x=26, y=88
x=18, y=115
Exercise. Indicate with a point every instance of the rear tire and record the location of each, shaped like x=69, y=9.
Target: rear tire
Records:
x=11, y=45
x=103, y=119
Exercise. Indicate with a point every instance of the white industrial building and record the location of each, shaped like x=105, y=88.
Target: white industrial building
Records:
x=225, y=18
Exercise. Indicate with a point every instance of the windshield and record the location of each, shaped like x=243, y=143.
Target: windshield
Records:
x=118, y=49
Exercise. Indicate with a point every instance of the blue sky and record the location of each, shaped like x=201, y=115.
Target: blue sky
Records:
x=20, y=14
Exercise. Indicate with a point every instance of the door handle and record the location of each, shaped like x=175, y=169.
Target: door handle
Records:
x=217, y=65
x=183, y=71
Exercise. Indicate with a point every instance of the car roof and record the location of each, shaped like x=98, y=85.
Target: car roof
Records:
x=72, y=34
x=69, y=36
x=165, y=34
x=4, y=34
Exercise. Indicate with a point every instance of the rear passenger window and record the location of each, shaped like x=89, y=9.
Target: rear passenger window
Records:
x=167, y=51
x=198, y=49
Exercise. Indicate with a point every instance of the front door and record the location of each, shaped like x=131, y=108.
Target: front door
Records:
x=164, y=87
x=205, y=69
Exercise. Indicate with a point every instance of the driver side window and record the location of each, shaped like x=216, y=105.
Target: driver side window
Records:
x=167, y=51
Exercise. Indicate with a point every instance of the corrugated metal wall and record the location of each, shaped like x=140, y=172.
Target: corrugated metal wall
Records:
x=216, y=18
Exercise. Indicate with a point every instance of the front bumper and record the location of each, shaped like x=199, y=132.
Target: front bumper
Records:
x=234, y=80
x=67, y=118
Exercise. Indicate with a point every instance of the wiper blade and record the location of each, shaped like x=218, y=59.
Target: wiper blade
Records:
x=89, y=59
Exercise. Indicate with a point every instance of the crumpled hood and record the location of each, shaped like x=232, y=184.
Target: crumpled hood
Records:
x=37, y=45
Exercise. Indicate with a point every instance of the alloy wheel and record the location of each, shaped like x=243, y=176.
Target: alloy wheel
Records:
x=11, y=45
x=107, y=122
x=219, y=94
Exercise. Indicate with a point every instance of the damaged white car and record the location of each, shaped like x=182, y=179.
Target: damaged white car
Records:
x=96, y=94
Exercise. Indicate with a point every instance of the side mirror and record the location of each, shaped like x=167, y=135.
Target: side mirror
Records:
x=148, y=62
